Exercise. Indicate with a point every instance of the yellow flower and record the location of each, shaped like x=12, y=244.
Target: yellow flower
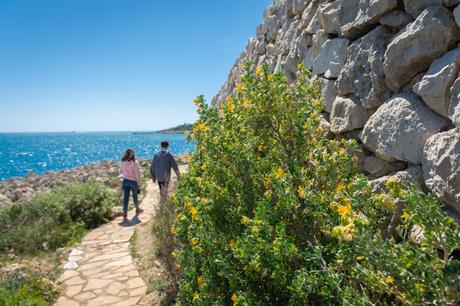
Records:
x=301, y=192
x=197, y=101
x=200, y=127
x=345, y=210
x=258, y=71
x=186, y=132
x=245, y=220
x=270, y=77
x=279, y=173
x=342, y=150
x=389, y=280
x=229, y=104
x=232, y=244
x=246, y=103
x=177, y=304
x=195, y=241
x=204, y=166
x=359, y=258
x=405, y=215
x=300, y=66
x=346, y=232
x=194, y=213
x=340, y=187
x=234, y=298
x=196, y=296
x=200, y=280
x=239, y=87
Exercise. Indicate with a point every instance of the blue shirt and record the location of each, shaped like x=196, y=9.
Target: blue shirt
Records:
x=162, y=163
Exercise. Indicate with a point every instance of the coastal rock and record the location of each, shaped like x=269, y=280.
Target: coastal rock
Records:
x=415, y=7
x=363, y=74
x=4, y=201
x=418, y=44
x=454, y=108
x=328, y=16
x=457, y=15
x=329, y=93
x=435, y=86
x=356, y=17
x=318, y=41
x=451, y=2
x=441, y=166
x=378, y=167
x=399, y=129
x=331, y=58
x=347, y=114
x=396, y=20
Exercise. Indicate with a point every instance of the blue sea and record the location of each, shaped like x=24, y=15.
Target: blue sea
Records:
x=21, y=153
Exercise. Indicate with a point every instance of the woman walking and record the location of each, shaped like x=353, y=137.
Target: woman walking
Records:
x=131, y=173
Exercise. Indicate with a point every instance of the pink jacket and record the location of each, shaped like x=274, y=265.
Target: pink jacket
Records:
x=130, y=170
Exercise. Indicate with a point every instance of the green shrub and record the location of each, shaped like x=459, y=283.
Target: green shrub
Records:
x=54, y=219
x=26, y=287
x=273, y=213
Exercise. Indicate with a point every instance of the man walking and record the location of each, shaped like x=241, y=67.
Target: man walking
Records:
x=161, y=166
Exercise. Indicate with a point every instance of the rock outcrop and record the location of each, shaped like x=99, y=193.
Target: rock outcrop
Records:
x=395, y=60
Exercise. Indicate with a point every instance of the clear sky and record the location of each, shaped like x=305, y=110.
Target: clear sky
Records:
x=116, y=65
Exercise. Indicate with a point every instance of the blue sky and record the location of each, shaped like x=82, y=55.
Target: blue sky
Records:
x=115, y=65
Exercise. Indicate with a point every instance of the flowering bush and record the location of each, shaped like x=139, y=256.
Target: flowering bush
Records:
x=273, y=213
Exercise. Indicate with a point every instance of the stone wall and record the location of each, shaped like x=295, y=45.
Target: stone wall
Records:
x=390, y=75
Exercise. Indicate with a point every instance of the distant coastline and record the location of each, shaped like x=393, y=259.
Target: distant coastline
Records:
x=180, y=129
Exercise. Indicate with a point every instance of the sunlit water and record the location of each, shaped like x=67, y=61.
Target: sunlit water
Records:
x=21, y=153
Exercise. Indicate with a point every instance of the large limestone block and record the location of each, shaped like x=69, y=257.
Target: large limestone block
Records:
x=396, y=20
x=454, y=109
x=418, y=44
x=415, y=7
x=435, y=86
x=329, y=93
x=441, y=166
x=399, y=129
x=318, y=40
x=295, y=7
x=347, y=114
x=363, y=74
x=331, y=58
x=356, y=17
x=328, y=16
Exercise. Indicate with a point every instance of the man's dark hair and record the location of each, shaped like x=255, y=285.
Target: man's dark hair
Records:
x=164, y=144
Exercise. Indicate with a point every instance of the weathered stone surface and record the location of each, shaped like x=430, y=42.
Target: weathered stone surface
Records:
x=412, y=173
x=356, y=17
x=378, y=167
x=418, y=44
x=399, y=129
x=328, y=16
x=454, y=108
x=435, y=86
x=451, y=2
x=441, y=166
x=457, y=15
x=396, y=20
x=329, y=93
x=363, y=74
x=347, y=114
x=415, y=7
x=331, y=58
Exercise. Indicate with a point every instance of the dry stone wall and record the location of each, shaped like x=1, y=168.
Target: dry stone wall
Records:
x=390, y=74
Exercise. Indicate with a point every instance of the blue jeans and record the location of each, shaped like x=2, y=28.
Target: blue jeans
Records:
x=128, y=186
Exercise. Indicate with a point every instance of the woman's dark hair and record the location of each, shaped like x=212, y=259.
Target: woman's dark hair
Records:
x=129, y=155
x=164, y=144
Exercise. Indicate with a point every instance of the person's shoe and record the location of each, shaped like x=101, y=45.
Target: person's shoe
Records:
x=139, y=211
x=125, y=218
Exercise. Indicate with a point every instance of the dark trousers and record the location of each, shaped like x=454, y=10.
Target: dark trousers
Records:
x=163, y=190
x=128, y=186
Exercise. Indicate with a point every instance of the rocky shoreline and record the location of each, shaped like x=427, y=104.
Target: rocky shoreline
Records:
x=20, y=189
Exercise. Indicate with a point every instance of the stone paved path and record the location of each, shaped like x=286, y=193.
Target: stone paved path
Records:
x=100, y=270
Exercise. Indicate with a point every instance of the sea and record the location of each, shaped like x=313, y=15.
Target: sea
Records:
x=21, y=153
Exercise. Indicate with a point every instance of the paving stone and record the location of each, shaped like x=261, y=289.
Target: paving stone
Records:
x=85, y=296
x=96, y=284
x=72, y=290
